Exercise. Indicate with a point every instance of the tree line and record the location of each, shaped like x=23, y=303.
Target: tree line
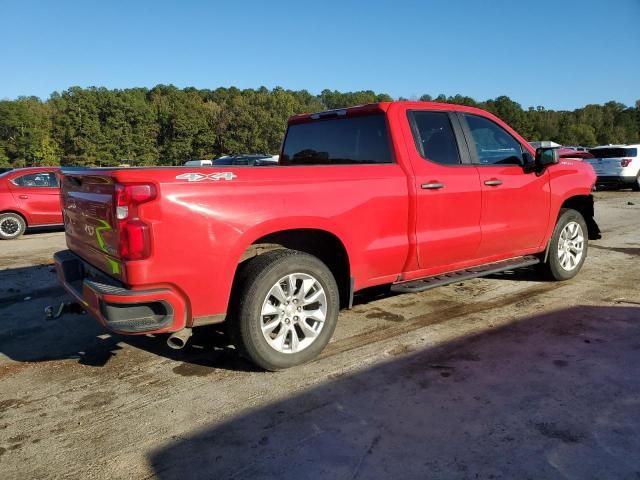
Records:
x=166, y=125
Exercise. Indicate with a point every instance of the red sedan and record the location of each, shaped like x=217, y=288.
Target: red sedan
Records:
x=29, y=197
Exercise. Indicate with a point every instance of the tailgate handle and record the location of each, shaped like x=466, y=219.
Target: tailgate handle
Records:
x=24, y=197
x=432, y=186
x=494, y=182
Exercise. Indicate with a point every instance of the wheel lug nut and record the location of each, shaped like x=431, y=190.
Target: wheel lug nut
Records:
x=295, y=319
x=299, y=309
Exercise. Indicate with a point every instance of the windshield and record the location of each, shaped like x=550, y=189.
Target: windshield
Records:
x=614, y=152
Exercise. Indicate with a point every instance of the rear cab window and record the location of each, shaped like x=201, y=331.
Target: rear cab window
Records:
x=338, y=140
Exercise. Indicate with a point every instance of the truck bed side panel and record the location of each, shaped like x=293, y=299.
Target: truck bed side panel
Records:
x=201, y=228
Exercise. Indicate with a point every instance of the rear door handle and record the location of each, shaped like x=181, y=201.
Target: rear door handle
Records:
x=24, y=197
x=432, y=186
x=494, y=182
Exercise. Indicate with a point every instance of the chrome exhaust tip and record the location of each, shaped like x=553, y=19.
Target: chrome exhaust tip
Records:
x=179, y=339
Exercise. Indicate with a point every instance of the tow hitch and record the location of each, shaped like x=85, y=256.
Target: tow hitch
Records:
x=52, y=313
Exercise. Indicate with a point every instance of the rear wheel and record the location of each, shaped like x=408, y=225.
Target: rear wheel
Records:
x=287, y=309
x=12, y=226
x=568, y=246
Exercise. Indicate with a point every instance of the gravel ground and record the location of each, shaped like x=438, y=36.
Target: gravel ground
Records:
x=502, y=377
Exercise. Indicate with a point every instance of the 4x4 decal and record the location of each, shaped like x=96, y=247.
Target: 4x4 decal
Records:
x=197, y=177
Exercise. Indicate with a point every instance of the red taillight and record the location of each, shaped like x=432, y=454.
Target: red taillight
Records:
x=625, y=162
x=135, y=241
x=128, y=196
x=135, y=235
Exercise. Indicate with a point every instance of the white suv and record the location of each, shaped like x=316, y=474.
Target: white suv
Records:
x=617, y=165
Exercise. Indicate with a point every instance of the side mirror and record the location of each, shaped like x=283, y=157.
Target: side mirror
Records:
x=546, y=156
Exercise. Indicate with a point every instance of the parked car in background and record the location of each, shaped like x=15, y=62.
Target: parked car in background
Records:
x=198, y=163
x=251, y=159
x=573, y=153
x=617, y=165
x=544, y=144
x=29, y=197
x=413, y=194
x=257, y=160
x=579, y=148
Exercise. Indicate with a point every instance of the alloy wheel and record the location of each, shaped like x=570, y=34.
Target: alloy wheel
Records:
x=9, y=226
x=570, y=246
x=293, y=313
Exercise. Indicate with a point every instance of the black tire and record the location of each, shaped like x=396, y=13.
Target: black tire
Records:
x=256, y=280
x=553, y=268
x=12, y=225
x=635, y=186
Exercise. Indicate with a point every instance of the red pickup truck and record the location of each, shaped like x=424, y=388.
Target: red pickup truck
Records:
x=411, y=194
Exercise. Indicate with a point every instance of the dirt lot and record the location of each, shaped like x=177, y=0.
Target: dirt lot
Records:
x=502, y=377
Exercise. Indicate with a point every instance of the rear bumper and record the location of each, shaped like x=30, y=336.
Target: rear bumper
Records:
x=615, y=180
x=120, y=309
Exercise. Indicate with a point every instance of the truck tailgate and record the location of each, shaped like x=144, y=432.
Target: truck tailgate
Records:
x=89, y=219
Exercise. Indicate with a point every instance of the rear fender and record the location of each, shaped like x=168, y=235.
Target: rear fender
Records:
x=20, y=212
x=274, y=227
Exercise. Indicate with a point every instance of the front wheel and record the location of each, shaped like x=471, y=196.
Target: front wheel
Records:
x=636, y=185
x=12, y=226
x=287, y=309
x=568, y=246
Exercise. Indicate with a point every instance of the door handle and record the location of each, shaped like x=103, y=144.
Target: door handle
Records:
x=24, y=197
x=432, y=186
x=494, y=182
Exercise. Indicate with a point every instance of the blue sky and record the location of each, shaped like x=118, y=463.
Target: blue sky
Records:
x=556, y=53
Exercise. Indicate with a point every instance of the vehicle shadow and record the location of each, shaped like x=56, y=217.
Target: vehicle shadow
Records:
x=525, y=274
x=371, y=294
x=47, y=229
x=26, y=336
x=19, y=282
x=549, y=396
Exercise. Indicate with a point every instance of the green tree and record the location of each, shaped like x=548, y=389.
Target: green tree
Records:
x=4, y=159
x=167, y=126
x=25, y=129
x=580, y=134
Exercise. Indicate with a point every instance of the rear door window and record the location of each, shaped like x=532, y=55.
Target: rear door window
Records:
x=41, y=179
x=434, y=137
x=338, y=141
